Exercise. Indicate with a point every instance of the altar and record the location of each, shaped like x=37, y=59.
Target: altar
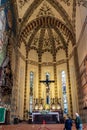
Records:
x=47, y=117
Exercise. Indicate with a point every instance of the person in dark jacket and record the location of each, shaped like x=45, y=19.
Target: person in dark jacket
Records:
x=68, y=123
x=78, y=122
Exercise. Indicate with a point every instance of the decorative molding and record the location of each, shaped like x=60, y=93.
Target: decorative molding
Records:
x=74, y=15
x=25, y=88
x=44, y=63
x=47, y=63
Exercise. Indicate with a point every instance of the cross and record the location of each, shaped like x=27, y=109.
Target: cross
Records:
x=47, y=81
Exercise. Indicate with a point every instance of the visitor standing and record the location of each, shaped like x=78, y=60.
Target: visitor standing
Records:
x=68, y=123
x=78, y=122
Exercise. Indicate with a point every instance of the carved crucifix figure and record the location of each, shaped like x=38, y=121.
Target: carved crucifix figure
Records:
x=47, y=83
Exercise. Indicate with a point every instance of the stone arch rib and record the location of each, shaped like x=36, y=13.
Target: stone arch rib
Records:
x=55, y=4
x=50, y=22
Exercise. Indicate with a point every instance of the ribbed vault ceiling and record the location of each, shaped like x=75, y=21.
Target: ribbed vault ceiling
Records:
x=46, y=25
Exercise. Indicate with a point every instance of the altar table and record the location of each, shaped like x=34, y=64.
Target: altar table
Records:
x=49, y=117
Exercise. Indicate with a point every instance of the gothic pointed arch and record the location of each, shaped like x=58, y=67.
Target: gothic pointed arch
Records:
x=55, y=4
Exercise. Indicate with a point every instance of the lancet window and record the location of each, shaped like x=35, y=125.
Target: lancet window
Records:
x=64, y=93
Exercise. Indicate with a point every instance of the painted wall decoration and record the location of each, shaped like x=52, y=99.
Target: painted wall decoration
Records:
x=2, y=33
x=83, y=74
x=2, y=28
x=6, y=26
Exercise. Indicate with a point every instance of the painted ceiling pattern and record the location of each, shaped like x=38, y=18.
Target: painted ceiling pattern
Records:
x=46, y=41
x=45, y=10
x=49, y=24
x=46, y=24
x=23, y=6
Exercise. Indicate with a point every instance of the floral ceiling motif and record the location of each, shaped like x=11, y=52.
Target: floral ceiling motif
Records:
x=46, y=42
x=66, y=1
x=45, y=10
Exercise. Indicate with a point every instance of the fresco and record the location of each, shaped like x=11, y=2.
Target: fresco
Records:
x=5, y=26
x=83, y=74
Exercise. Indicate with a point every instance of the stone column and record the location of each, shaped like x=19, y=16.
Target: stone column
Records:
x=69, y=83
x=25, y=88
x=15, y=87
x=78, y=81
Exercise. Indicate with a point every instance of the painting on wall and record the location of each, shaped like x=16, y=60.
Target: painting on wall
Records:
x=7, y=25
x=83, y=74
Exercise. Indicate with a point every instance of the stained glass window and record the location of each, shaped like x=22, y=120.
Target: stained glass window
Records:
x=31, y=91
x=65, y=103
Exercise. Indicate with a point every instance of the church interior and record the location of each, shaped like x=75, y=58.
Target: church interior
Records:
x=43, y=58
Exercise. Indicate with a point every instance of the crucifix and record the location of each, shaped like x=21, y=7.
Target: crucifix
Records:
x=47, y=83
